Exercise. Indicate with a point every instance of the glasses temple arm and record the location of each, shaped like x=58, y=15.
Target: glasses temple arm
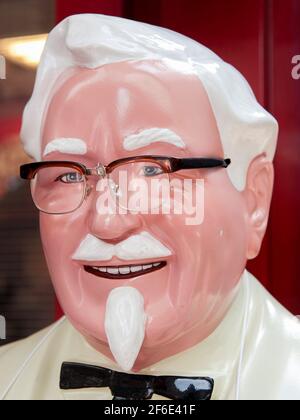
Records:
x=197, y=163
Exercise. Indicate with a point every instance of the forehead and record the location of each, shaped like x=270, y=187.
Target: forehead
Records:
x=106, y=105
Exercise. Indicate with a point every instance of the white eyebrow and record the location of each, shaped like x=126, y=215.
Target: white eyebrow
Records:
x=152, y=135
x=70, y=146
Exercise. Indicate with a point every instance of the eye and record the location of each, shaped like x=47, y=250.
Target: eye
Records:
x=152, y=171
x=71, y=178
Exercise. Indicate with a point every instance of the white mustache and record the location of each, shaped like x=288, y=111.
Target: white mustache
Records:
x=140, y=246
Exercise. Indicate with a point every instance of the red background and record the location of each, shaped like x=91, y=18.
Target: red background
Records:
x=258, y=37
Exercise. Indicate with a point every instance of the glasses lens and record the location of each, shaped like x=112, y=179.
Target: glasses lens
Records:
x=58, y=190
x=140, y=186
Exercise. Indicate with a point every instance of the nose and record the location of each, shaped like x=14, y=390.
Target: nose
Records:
x=113, y=228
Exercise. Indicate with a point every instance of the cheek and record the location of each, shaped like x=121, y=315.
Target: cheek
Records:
x=61, y=236
x=211, y=256
x=225, y=232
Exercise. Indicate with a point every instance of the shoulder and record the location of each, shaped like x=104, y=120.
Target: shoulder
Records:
x=272, y=348
x=15, y=356
x=268, y=312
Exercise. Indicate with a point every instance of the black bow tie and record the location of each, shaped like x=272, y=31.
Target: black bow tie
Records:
x=126, y=386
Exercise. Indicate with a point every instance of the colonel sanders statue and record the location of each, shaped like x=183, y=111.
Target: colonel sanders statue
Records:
x=153, y=176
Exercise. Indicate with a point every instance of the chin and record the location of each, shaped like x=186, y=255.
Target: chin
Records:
x=160, y=333
x=97, y=338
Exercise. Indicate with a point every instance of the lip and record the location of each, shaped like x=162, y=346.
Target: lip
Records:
x=90, y=269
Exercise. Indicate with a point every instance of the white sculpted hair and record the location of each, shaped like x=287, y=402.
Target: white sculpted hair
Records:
x=90, y=41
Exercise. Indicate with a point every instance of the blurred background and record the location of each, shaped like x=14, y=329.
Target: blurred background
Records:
x=259, y=37
x=26, y=296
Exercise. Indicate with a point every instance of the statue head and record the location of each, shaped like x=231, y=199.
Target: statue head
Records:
x=121, y=102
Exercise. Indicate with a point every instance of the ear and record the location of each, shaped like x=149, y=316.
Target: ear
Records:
x=258, y=195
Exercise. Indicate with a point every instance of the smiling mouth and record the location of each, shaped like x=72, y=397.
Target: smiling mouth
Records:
x=124, y=272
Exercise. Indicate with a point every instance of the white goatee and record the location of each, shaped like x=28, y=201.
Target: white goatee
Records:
x=125, y=323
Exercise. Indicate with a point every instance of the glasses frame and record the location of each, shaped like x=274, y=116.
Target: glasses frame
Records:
x=168, y=165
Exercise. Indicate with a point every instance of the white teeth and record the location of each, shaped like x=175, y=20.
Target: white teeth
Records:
x=124, y=270
x=136, y=268
x=127, y=269
x=113, y=271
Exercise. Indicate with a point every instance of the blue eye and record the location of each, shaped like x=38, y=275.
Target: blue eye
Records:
x=152, y=171
x=71, y=178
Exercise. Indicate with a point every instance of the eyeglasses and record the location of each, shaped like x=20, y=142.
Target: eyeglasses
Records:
x=60, y=187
